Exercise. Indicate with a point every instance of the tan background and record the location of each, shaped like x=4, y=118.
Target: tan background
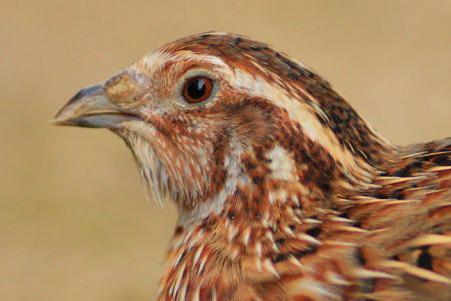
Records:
x=74, y=222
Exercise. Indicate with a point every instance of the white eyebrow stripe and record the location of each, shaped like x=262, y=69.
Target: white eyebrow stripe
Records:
x=298, y=111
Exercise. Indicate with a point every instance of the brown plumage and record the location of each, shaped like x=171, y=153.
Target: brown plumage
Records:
x=284, y=191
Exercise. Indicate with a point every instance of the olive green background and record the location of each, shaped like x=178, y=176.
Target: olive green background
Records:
x=74, y=220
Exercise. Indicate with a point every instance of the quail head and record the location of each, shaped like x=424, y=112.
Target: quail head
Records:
x=284, y=192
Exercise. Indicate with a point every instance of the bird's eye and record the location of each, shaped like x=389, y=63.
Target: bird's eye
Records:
x=197, y=89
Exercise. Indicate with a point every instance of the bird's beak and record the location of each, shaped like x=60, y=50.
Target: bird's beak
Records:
x=90, y=107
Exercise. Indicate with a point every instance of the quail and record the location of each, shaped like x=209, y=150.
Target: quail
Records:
x=284, y=192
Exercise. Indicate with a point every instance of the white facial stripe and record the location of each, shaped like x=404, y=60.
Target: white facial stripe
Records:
x=297, y=110
x=234, y=179
x=282, y=165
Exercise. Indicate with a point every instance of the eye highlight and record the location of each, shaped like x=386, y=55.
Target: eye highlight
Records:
x=197, y=89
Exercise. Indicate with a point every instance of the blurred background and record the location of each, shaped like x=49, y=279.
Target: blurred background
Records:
x=74, y=220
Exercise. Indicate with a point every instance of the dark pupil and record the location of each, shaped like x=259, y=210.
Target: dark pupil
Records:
x=196, y=88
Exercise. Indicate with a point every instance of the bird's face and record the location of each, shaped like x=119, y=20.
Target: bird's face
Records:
x=187, y=118
x=210, y=114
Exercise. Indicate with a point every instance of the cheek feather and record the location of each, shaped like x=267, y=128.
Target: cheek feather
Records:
x=190, y=162
x=153, y=173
